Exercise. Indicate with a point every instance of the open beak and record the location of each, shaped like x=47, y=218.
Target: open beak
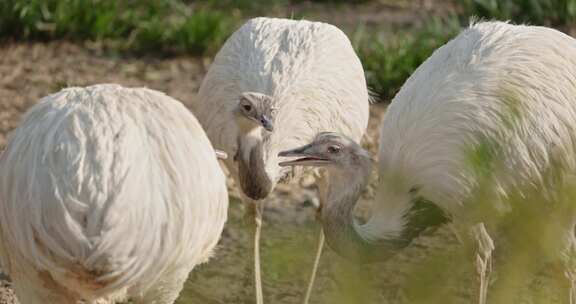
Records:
x=305, y=157
x=221, y=154
x=266, y=122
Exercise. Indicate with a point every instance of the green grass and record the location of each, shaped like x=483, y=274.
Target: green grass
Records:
x=161, y=27
x=540, y=12
x=388, y=63
x=168, y=27
x=138, y=26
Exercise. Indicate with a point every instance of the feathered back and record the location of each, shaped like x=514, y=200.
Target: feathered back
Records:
x=498, y=100
x=109, y=185
x=310, y=71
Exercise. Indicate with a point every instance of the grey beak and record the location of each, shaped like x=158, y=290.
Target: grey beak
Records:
x=305, y=156
x=220, y=154
x=301, y=151
x=267, y=123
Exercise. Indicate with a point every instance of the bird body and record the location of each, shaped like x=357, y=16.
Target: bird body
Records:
x=493, y=110
x=309, y=79
x=273, y=85
x=108, y=193
x=497, y=90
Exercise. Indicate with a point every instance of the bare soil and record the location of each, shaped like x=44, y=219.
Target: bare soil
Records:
x=383, y=15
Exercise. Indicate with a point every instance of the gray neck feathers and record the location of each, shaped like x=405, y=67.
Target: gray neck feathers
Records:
x=252, y=174
x=345, y=235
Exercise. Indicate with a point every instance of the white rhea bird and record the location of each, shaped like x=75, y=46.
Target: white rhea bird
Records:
x=108, y=193
x=275, y=84
x=497, y=101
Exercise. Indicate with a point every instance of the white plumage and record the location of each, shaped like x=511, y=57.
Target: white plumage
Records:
x=107, y=193
x=506, y=90
x=491, y=113
x=313, y=81
x=275, y=84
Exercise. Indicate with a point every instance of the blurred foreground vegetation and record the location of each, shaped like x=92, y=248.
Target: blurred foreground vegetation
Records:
x=171, y=27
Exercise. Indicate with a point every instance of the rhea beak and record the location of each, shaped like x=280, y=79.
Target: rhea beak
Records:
x=306, y=156
x=266, y=123
x=220, y=154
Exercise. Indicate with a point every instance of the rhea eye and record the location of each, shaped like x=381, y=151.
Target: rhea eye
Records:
x=247, y=107
x=333, y=149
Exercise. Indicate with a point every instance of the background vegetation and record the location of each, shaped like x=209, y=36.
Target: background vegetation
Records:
x=170, y=27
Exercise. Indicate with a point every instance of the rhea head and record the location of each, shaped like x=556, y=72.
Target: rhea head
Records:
x=331, y=150
x=253, y=110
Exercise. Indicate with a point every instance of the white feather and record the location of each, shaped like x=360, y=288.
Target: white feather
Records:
x=311, y=73
x=498, y=86
x=107, y=192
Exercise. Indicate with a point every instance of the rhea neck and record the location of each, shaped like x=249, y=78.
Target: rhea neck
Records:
x=254, y=180
x=362, y=243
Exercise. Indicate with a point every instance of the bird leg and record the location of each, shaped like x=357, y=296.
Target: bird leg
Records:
x=571, y=276
x=483, y=258
x=315, y=267
x=569, y=265
x=322, y=188
x=256, y=208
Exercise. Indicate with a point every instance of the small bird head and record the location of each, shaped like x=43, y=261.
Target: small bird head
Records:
x=255, y=109
x=328, y=150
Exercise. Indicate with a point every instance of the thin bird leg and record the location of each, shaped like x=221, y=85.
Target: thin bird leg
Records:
x=322, y=188
x=572, y=278
x=570, y=261
x=483, y=259
x=315, y=267
x=256, y=207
